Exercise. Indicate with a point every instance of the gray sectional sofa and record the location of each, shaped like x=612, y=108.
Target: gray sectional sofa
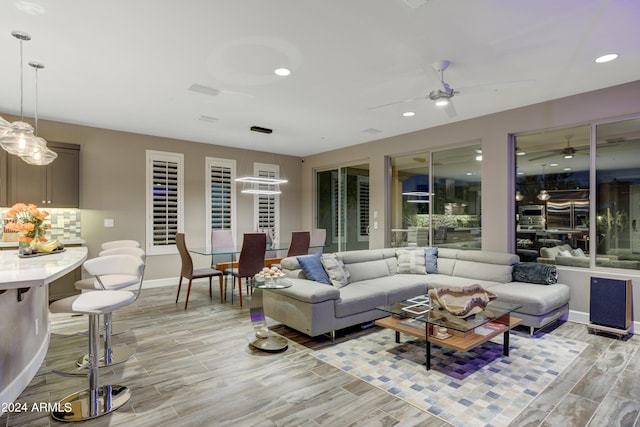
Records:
x=316, y=308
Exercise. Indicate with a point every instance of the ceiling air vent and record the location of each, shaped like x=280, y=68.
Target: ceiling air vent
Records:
x=372, y=131
x=207, y=119
x=205, y=90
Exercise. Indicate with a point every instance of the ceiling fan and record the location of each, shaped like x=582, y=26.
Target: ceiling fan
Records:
x=441, y=96
x=567, y=152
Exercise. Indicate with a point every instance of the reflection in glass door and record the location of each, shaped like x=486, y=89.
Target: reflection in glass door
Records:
x=342, y=207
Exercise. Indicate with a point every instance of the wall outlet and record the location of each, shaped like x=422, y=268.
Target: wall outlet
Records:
x=109, y=222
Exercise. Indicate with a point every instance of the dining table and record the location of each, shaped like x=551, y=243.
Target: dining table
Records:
x=231, y=254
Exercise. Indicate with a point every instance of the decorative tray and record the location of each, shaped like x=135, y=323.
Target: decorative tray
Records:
x=57, y=251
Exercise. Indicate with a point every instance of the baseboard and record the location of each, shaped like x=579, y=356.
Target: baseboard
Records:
x=582, y=317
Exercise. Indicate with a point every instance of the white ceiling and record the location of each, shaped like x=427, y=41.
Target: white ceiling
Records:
x=127, y=65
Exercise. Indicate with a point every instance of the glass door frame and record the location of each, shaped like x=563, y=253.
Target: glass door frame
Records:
x=341, y=208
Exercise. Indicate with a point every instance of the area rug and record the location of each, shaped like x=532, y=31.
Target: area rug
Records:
x=478, y=388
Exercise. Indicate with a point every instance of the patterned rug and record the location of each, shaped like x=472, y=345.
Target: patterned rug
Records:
x=478, y=388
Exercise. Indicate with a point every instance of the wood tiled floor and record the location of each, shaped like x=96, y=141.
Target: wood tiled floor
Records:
x=195, y=368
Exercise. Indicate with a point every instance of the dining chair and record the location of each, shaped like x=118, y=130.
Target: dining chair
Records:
x=250, y=261
x=222, y=241
x=191, y=273
x=317, y=240
x=299, y=245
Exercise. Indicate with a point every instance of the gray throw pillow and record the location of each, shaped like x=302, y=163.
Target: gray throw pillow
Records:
x=431, y=260
x=334, y=267
x=410, y=261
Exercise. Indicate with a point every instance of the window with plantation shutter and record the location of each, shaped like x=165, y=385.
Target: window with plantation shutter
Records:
x=267, y=206
x=337, y=188
x=164, y=200
x=363, y=208
x=221, y=193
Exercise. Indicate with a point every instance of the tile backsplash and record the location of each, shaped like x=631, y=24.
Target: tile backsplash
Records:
x=65, y=223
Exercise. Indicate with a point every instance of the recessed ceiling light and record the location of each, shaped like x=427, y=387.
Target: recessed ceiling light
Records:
x=520, y=153
x=566, y=169
x=282, y=72
x=469, y=173
x=479, y=157
x=442, y=102
x=606, y=58
x=408, y=114
x=30, y=8
x=553, y=164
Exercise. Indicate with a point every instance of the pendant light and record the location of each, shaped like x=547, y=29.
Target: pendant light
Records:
x=41, y=154
x=19, y=138
x=261, y=184
x=543, y=194
x=519, y=196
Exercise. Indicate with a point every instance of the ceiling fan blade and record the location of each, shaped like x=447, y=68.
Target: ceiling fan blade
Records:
x=396, y=103
x=544, y=156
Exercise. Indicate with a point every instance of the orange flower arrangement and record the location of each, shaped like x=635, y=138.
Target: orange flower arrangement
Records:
x=28, y=220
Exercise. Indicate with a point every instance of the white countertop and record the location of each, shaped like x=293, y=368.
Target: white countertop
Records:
x=16, y=272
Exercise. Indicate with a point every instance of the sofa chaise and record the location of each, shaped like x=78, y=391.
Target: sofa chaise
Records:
x=385, y=276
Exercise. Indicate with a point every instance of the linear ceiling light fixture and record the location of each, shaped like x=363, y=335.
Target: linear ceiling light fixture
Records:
x=261, y=180
x=261, y=184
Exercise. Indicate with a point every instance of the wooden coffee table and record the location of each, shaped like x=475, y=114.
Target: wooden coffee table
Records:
x=464, y=334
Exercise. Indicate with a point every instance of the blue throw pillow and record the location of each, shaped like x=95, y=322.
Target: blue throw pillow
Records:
x=313, y=269
x=431, y=260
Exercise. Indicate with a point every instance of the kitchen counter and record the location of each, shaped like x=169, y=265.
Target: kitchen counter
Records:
x=24, y=304
x=16, y=272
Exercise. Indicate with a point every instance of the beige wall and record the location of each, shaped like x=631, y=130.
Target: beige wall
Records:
x=498, y=219
x=112, y=185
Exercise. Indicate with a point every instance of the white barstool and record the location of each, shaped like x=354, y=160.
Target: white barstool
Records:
x=119, y=243
x=112, y=272
x=96, y=400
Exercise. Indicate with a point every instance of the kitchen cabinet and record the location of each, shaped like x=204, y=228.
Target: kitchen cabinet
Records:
x=53, y=186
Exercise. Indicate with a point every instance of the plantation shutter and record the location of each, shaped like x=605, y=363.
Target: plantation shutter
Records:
x=165, y=201
x=220, y=196
x=363, y=208
x=268, y=205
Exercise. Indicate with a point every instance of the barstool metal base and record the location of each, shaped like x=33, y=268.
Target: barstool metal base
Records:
x=119, y=354
x=80, y=406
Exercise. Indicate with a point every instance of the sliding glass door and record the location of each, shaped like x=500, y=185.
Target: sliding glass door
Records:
x=342, y=207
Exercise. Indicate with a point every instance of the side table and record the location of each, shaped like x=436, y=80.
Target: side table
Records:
x=264, y=340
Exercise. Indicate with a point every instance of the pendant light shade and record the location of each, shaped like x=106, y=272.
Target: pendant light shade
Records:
x=41, y=154
x=19, y=139
x=519, y=196
x=5, y=126
x=544, y=195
